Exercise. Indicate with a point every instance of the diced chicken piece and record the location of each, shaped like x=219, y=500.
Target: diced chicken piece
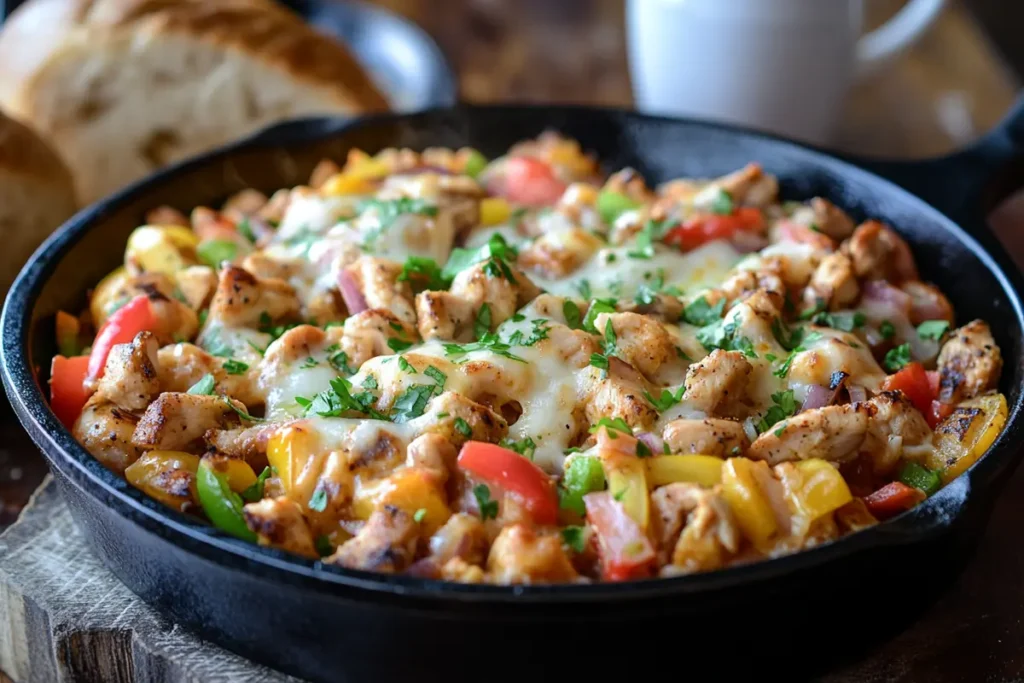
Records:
x=197, y=285
x=927, y=302
x=432, y=452
x=744, y=283
x=895, y=429
x=462, y=536
x=630, y=182
x=105, y=431
x=833, y=433
x=177, y=422
x=272, y=267
x=180, y=366
x=276, y=206
x=278, y=523
x=248, y=443
x=558, y=253
x=694, y=527
x=830, y=219
x=243, y=204
x=367, y=334
x=645, y=344
x=717, y=384
x=377, y=279
x=242, y=299
x=485, y=424
x=522, y=555
x=834, y=283
x=324, y=169
x=457, y=569
x=835, y=354
x=710, y=436
x=878, y=253
x=130, y=376
x=175, y=321
x=386, y=543
x=443, y=316
x=750, y=186
x=621, y=394
x=969, y=364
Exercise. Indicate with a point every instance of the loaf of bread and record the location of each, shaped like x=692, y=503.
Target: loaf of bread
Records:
x=36, y=196
x=122, y=87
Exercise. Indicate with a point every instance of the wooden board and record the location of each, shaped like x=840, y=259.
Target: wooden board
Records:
x=65, y=619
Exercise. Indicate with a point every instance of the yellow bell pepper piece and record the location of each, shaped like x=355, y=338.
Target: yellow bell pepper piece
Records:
x=411, y=490
x=360, y=165
x=161, y=248
x=965, y=436
x=105, y=294
x=292, y=452
x=345, y=183
x=705, y=470
x=743, y=494
x=813, y=488
x=167, y=476
x=627, y=482
x=238, y=472
x=494, y=211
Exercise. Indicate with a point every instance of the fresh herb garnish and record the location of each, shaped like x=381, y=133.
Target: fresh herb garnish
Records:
x=701, y=313
x=482, y=323
x=419, y=515
x=887, y=330
x=338, y=399
x=266, y=325
x=318, y=501
x=214, y=252
x=846, y=321
x=896, y=358
x=651, y=232
x=310, y=362
x=462, y=427
x=785, y=405
x=436, y=375
x=723, y=335
x=423, y=270
x=254, y=492
x=597, y=306
x=524, y=447
x=235, y=367
x=723, y=203
x=411, y=403
x=398, y=345
x=406, y=366
x=932, y=329
x=388, y=210
x=488, y=507
x=339, y=360
x=667, y=399
x=613, y=426
x=496, y=249
x=583, y=287
x=204, y=387
x=575, y=538
x=489, y=342
x=571, y=312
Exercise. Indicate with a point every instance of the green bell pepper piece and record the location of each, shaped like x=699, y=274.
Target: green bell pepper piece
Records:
x=475, y=164
x=611, y=205
x=222, y=505
x=584, y=475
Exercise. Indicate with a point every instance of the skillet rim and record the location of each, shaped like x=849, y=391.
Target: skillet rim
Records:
x=922, y=523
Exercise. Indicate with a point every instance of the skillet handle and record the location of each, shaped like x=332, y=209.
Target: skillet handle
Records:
x=967, y=184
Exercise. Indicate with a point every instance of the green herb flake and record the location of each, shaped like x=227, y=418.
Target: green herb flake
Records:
x=424, y=271
x=496, y=249
x=204, y=387
x=575, y=538
x=254, y=492
x=462, y=427
x=723, y=203
x=667, y=399
x=318, y=501
x=488, y=507
x=932, y=329
x=700, y=313
x=784, y=406
x=896, y=358
x=235, y=367
x=411, y=403
x=419, y=515
x=887, y=330
x=215, y=252
x=571, y=312
x=398, y=345
x=439, y=377
x=482, y=323
x=614, y=426
x=406, y=366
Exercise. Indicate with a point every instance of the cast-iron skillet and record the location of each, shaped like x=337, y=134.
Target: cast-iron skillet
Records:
x=796, y=613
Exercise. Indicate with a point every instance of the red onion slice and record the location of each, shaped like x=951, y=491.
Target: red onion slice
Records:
x=818, y=396
x=880, y=290
x=747, y=242
x=652, y=441
x=858, y=394
x=354, y=300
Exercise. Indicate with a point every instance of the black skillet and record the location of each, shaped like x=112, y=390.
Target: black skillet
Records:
x=795, y=614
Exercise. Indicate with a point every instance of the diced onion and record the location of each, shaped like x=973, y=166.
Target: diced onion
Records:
x=354, y=300
x=652, y=441
x=818, y=396
x=858, y=394
x=750, y=429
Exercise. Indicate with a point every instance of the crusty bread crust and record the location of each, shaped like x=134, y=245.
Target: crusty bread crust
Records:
x=36, y=195
x=260, y=28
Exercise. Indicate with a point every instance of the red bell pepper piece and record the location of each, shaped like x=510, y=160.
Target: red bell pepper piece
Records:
x=626, y=552
x=531, y=182
x=703, y=228
x=938, y=412
x=510, y=471
x=67, y=388
x=892, y=499
x=120, y=328
x=913, y=381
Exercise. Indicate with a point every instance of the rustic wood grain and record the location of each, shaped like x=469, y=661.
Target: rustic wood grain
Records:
x=65, y=619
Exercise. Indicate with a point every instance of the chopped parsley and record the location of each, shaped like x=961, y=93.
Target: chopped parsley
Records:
x=783, y=369
x=667, y=399
x=723, y=203
x=425, y=271
x=215, y=252
x=597, y=306
x=370, y=382
x=204, y=387
x=489, y=342
x=267, y=326
x=932, y=329
x=254, y=492
x=496, y=249
x=419, y=515
x=411, y=403
x=235, y=367
x=323, y=546
x=613, y=426
x=784, y=406
x=245, y=230
x=310, y=362
x=488, y=507
x=645, y=239
x=788, y=338
x=482, y=323
x=398, y=345
x=896, y=358
x=338, y=360
x=571, y=312
x=318, y=501
x=583, y=287
x=887, y=330
x=575, y=538
x=599, y=361
x=462, y=427
x=406, y=366
x=723, y=335
x=847, y=321
x=436, y=375
x=338, y=399
x=524, y=447
x=700, y=313
x=241, y=413
x=215, y=345
x=647, y=293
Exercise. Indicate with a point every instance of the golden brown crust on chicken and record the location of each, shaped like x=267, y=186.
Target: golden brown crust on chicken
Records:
x=131, y=376
x=521, y=554
x=243, y=299
x=178, y=422
x=278, y=523
x=106, y=431
x=710, y=436
x=386, y=543
x=969, y=363
x=717, y=384
x=878, y=253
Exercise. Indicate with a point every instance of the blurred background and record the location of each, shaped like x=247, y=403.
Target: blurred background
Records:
x=951, y=82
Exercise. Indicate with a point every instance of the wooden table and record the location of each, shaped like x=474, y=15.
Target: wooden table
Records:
x=943, y=94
